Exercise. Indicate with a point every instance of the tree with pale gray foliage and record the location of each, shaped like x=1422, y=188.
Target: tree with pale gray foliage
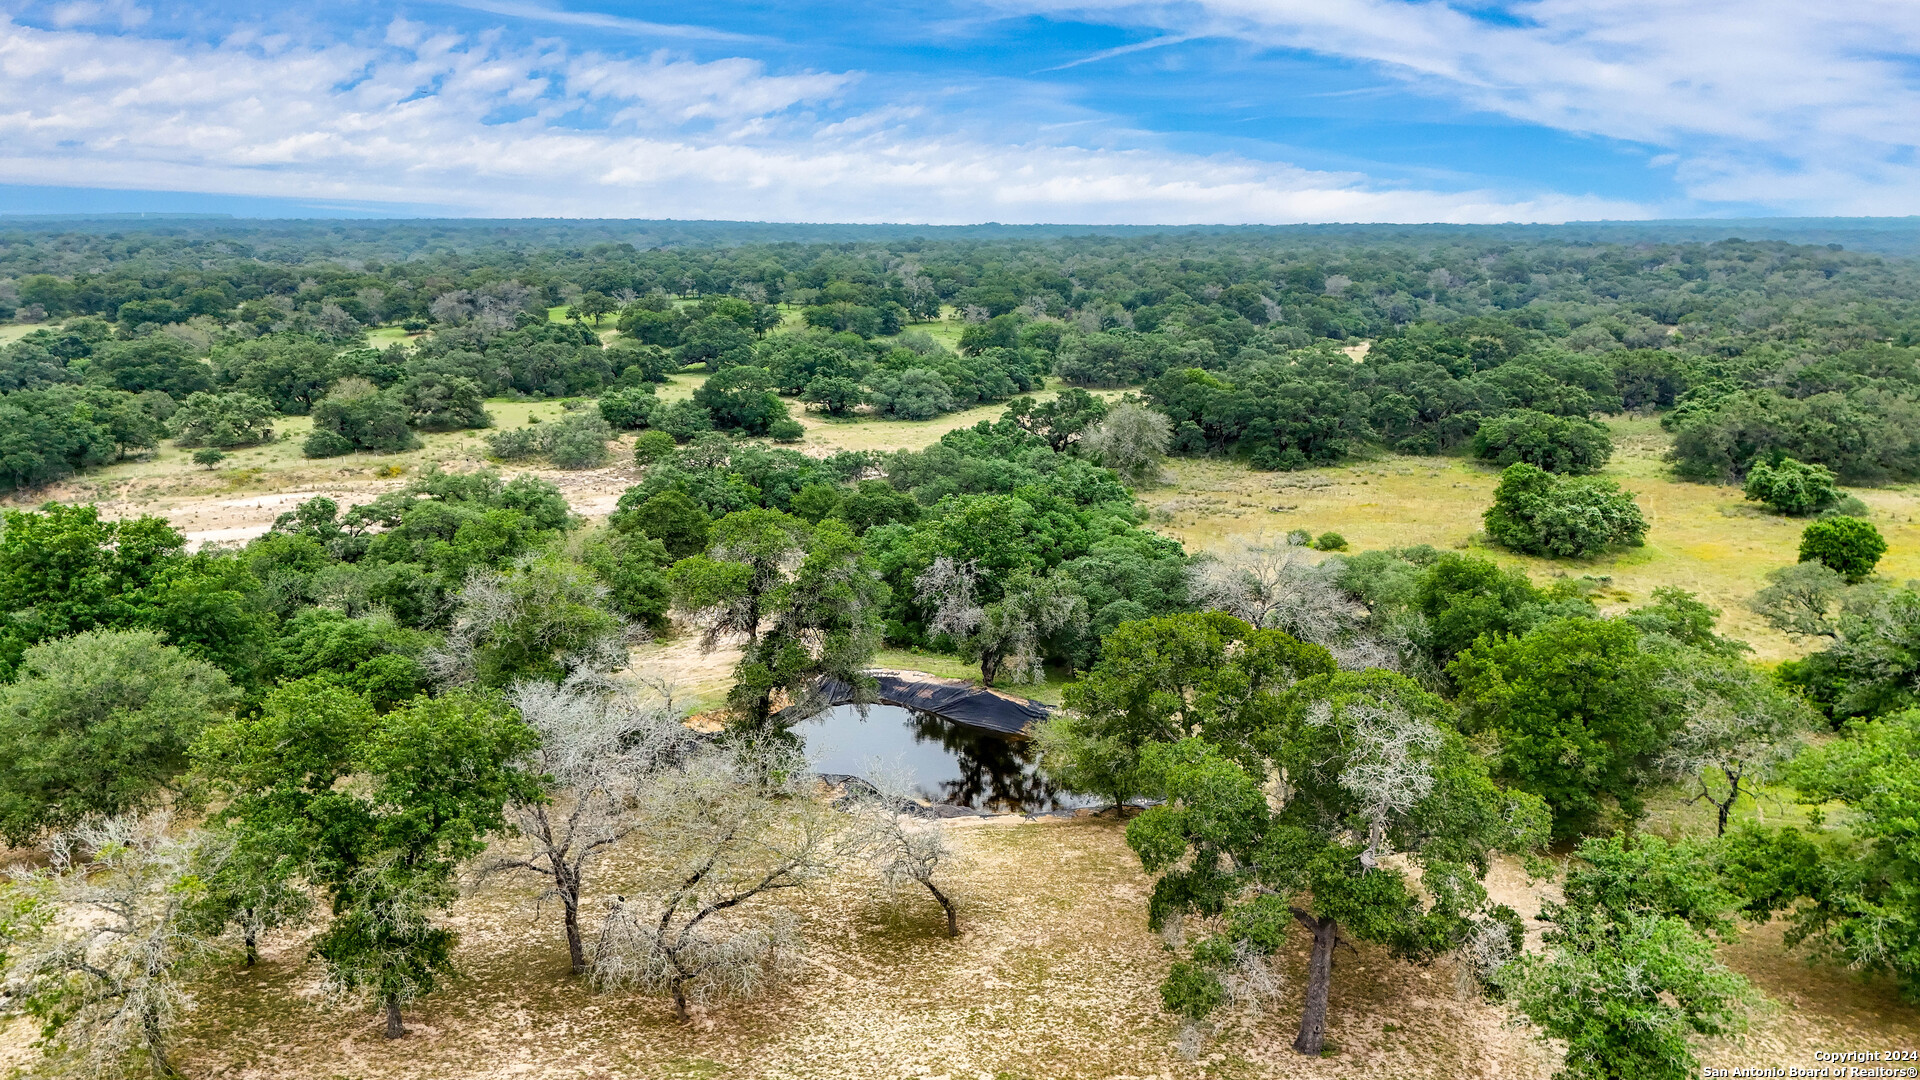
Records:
x=599, y=744
x=1278, y=586
x=1004, y=636
x=906, y=847
x=1132, y=441
x=1800, y=599
x=545, y=618
x=103, y=958
x=719, y=836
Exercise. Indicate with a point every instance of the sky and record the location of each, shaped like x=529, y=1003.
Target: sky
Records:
x=1017, y=111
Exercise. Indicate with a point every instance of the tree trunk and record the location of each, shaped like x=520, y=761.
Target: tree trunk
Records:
x=680, y=1001
x=570, y=901
x=989, y=668
x=1726, y=808
x=566, y=882
x=1313, y=1021
x=253, y=948
x=953, y=919
x=156, y=1047
x=395, y=1029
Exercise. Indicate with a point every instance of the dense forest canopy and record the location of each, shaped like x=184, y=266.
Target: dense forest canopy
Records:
x=1246, y=339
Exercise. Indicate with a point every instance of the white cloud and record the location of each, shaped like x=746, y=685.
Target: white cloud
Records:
x=1784, y=102
x=502, y=128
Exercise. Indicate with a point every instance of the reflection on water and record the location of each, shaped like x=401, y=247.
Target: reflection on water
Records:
x=946, y=762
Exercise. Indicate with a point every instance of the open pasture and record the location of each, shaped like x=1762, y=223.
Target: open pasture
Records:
x=1705, y=538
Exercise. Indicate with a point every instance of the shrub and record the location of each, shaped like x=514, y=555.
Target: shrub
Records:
x=741, y=397
x=1848, y=546
x=629, y=409
x=1558, y=444
x=651, y=446
x=578, y=441
x=208, y=457
x=1792, y=487
x=786, y=431
x=325, y=444
x=816, y=501
x=1536, y=513
x=837, y=394
x=1845, y=506
x=515, y=444
x=913, y=394
x=673, y=519
x=364, y=418
x=437, y=402
x=1330, y=541
x=683, y=420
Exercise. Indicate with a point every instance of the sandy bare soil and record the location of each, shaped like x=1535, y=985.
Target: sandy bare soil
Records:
x=229, y=517
x=1055, y=975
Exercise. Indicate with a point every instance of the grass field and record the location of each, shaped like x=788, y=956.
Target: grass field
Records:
x=1704, y=538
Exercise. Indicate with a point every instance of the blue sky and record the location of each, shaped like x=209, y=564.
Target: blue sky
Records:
x=1010, y=110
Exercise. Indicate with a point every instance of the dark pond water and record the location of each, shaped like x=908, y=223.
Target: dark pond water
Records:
x=946, y=762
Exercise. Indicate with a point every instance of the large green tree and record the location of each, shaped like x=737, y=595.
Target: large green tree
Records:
x=1160, y=680
x=1537, y=513
x=823, y=625
x=1571, y=446
x=752, y=554
x=1849, y=546
x=1345, y=769
x=99, y=724
x=1574, y=705
x=380, y=811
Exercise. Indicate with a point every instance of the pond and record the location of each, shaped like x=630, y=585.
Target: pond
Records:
x=945, y=762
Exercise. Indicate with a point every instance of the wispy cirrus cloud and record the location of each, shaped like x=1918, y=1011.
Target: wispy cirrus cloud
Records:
x=596, y=20
x=499, y=126
x=1782, y=102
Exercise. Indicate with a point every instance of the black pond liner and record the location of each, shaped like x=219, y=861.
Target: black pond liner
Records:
x=959, y=702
